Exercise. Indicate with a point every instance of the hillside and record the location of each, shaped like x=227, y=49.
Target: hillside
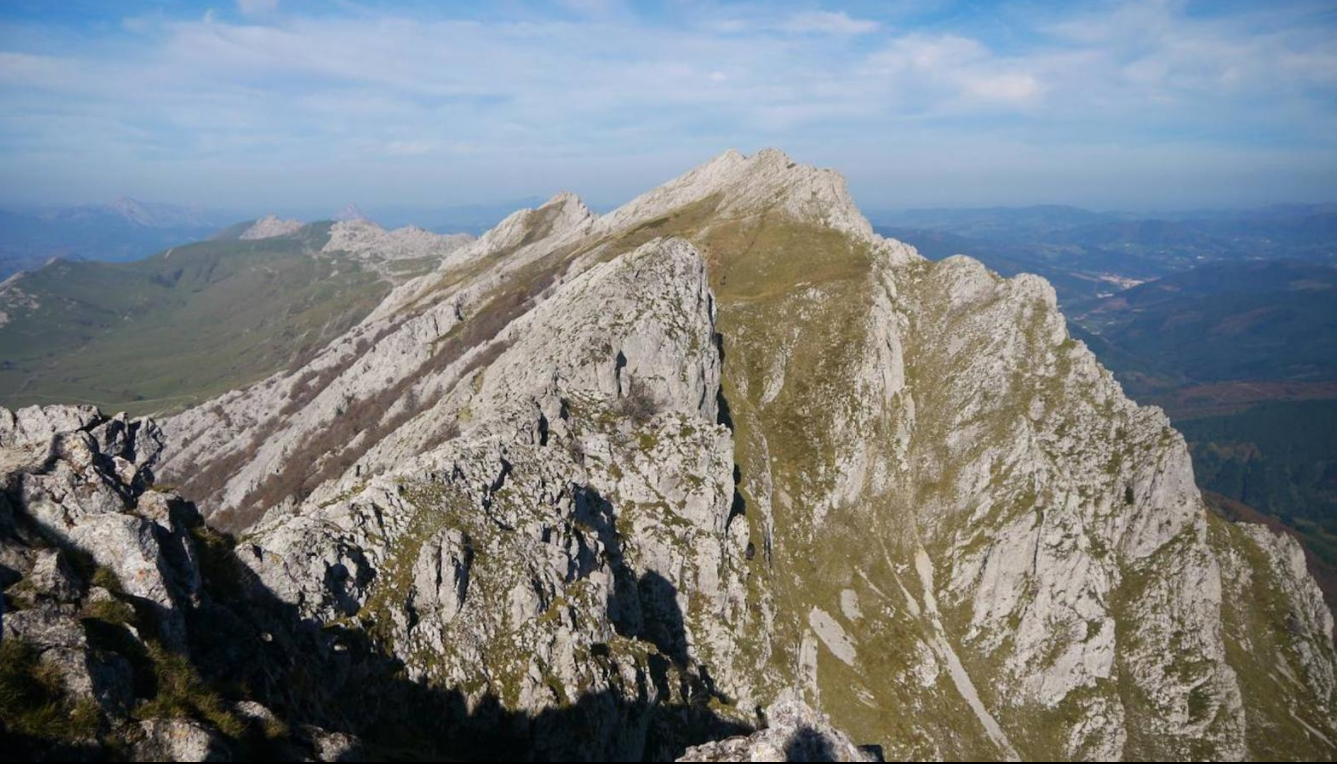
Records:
x=197, y=319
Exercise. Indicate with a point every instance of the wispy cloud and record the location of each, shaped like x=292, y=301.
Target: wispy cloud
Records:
x=295, y=99
x=254, y=7
x=828, y=22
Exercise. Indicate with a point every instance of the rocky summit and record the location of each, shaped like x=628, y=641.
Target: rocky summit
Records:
x=721, y=475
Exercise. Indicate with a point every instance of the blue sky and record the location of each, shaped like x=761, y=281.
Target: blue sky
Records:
x=254, y=104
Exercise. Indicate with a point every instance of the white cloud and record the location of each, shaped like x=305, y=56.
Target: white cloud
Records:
x=1014, y=87
x=950, y=73
x=256, y=7
x=27, y=70
x=828, y=22
x=384, y=87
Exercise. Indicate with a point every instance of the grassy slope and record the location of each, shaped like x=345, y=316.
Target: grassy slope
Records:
x=803, y=293
x=179, y=327
x=1264, y=651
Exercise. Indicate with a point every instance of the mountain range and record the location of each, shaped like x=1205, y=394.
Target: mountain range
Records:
x=125, y=229
x=720, y=474
x=128, y=229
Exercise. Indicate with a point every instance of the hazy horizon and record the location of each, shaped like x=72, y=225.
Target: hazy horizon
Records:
x=284, y=105
x=491, y=211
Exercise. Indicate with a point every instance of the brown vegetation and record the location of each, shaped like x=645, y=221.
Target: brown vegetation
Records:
x=364, y=422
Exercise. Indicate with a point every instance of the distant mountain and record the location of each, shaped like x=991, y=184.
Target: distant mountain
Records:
x=144, y=214
x=1077, y=273
x=198, y=318
x=126, y=229
x=351, y=212
x=1008, y=223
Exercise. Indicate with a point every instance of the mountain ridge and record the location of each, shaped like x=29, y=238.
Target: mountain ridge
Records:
x=725, y=446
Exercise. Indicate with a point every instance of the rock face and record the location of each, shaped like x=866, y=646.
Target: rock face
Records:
x=638, y=475
x=81, y=480
x=107, y=616
x=794, y=732
x=365, y=239
x=270, y=226
x=561, y=540
x=392, y=254
x=178, y=740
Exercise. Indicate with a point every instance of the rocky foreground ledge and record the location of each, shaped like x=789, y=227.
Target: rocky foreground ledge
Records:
x=107, y=614
x=794, y=732
x=128, y=629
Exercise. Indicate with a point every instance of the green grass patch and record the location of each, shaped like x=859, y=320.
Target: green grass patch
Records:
x=33, y=701
x=180, y=692
x=176, y=328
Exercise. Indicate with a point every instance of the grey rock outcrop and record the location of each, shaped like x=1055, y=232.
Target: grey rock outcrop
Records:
x=501, y=551
x=269, y=227
x=178, y=740
x=102, y=579
x=794, y=732
x=83, y=481
x=369, y=241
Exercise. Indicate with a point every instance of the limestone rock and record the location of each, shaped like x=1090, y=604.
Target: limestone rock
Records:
x=794, y=732
x=179, y=740
x=368, y=241
x=332, y=746
x=269, y=227
x=441, y=574
x=54, y=578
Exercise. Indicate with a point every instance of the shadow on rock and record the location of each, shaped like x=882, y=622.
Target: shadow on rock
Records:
x=807, y=744
x=251, y=644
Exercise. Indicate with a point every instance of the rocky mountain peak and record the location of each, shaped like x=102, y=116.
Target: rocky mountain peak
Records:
x=270, y=226
x=568, y=211
x=132, y=210
x=369, y=242
x=145, y=214
x=351, y=212
x=767, y=181
x=563, y=213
